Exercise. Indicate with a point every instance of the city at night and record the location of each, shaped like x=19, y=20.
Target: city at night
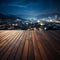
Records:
x=29, y=30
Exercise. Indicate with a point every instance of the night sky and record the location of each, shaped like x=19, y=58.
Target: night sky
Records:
x=29, y=8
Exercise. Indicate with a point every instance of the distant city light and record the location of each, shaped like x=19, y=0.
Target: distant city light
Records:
x=34, y=18
x=50, y=20
x=26, y=23
x=41, y=23
x=45, y=28
x=17, y=19
x=49, y=17
x=38, y=20
x=15, y=24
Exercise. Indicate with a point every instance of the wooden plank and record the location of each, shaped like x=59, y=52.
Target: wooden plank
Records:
x=50, y=42
x=53, y=48
x=46, y=46
x=30, y=49
x=18, y=55
x=25, y=50
x=8, y=42
x=36, y=50
x=29, y=45
x=12, y=48
x=41, y=49
x=7, y=46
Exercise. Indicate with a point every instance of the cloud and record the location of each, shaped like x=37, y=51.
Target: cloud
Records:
x=16, y=5
x=12, y=5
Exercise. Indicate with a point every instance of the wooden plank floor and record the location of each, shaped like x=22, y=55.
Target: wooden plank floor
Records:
x=29, y=45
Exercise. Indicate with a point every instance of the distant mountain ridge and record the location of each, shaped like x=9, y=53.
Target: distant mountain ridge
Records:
x=8, y=17
x=3, y=16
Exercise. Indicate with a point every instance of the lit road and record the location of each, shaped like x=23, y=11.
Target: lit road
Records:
x=29, y=45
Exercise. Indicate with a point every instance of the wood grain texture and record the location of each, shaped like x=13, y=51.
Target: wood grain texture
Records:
x=29, y=45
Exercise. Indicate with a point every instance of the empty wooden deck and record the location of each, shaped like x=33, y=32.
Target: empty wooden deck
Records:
x=29, y=45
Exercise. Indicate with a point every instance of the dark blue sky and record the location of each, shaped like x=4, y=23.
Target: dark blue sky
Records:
x=29, y=8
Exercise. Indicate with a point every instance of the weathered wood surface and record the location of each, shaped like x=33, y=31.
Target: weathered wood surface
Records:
x=29, y=45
